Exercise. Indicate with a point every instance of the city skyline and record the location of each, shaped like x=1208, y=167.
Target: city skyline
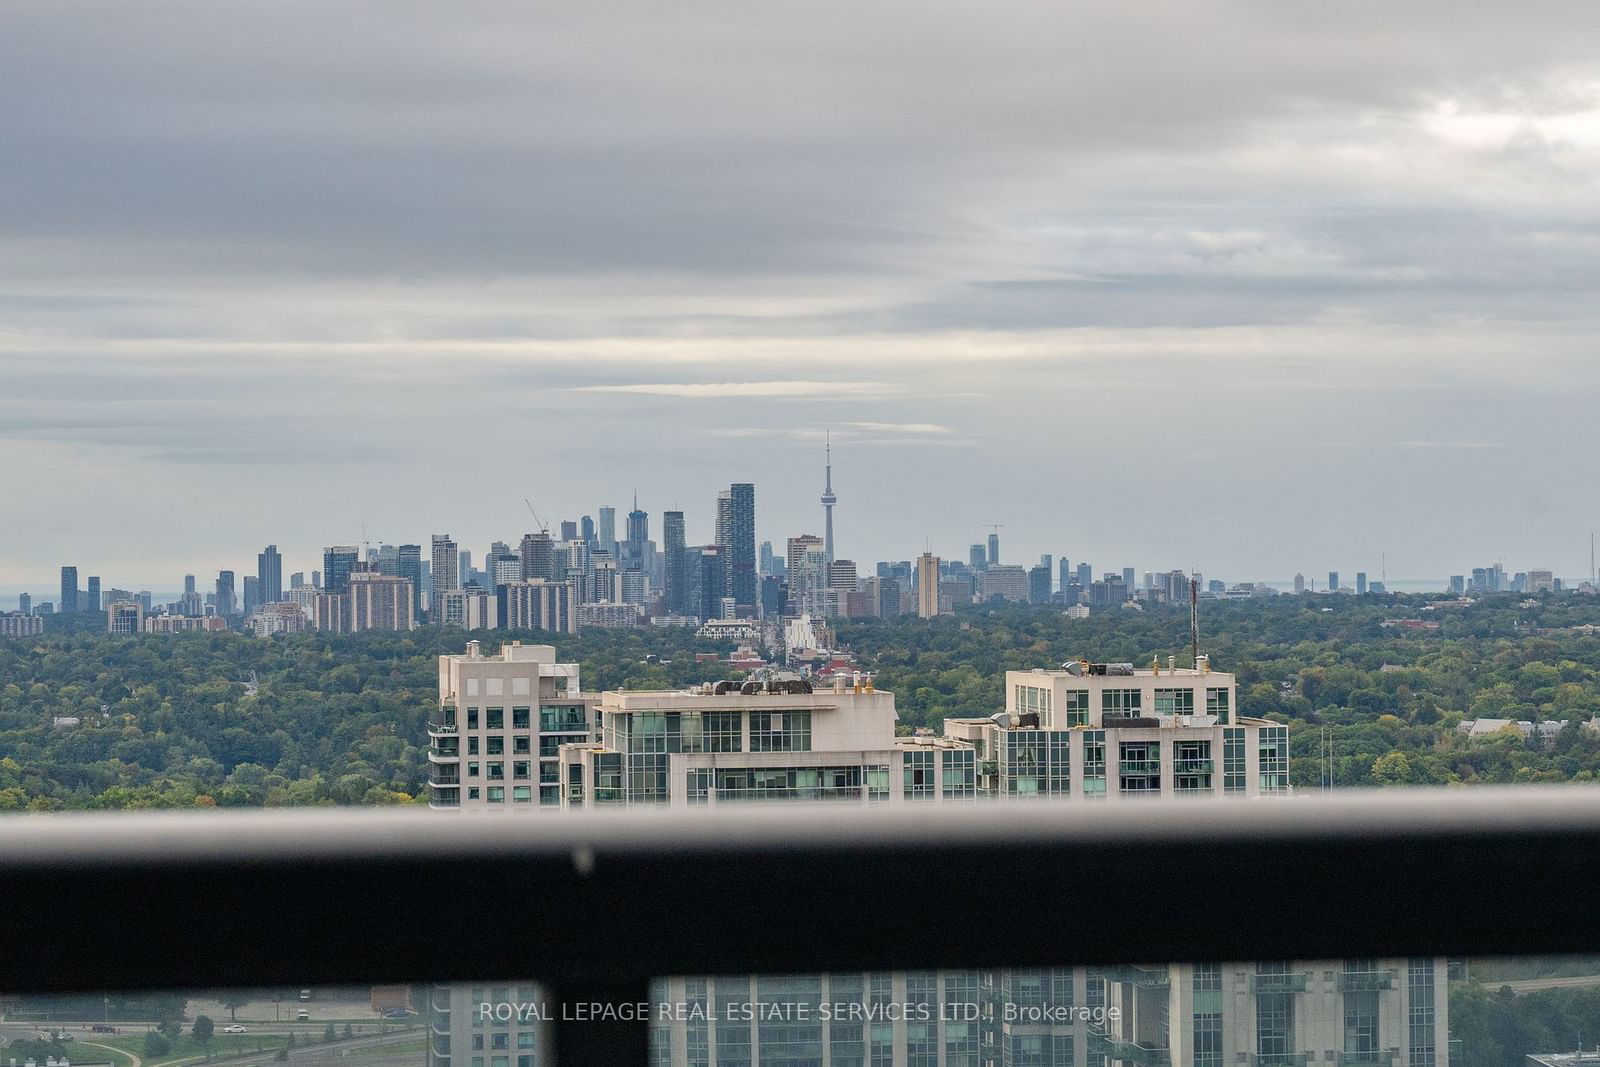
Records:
x=1334, y=305
x=336, y=559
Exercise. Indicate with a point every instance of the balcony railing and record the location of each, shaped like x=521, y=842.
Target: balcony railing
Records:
x=1282, y=1059
x=1277, y=983
x=1372, y=1058
x=1151, y=977
x=1128, y=1051
x=441, y=728
x=228, y=898
x=1140, y=766
x=1192, y=766
x=1363, y=981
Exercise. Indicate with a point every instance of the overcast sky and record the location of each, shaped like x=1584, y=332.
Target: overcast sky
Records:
x=1248, y=287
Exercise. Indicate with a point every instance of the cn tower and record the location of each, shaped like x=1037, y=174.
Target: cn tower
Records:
x=828, y=501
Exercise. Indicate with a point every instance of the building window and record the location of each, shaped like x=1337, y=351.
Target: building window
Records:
x=522, y=794
x=495, y=718
x=1191, y=766
x=563, y=719
x=1361, y=1020
x=1139, y=766
x=1075, y=708
x=497, y=794
x=521, y=746
x=497, y=745
x=960, y=773
x=1032, y=700
x=1174, y=701
x=917, y=769
x=1217, y=704
x=472, y=718
x=472, y=746
x=1420, y=990
x=1233, y=766
x=1274, y=759
x=780, y=731
x=1121, y=703
x=522, y=770
x=723, y=731
x=1207, y=1015
x=521, y=718
x=497, y=771
x=1094, y=763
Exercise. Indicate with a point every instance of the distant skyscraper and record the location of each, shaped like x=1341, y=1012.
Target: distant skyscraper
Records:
x=224, y=601
x=1127, y=579
x=828, y=501
x=1361, y=583
x=25, y=604
x=188, y=583
x=994, y=549
x=607, y=534
x=1299, y=582
x=445, y=563
x=636, y=550
x=1039, y=584
x=586, y=532
x=977, y=558
x=927, y=585
x=569, y=530
x=1085, y=575
x=768, y=559
x=410, y=568
x=252, y=594
x=269, y=575
x=712, y=580
x=538, y=556
x=742, y=546
x=804, y=553
x=676, y=579
x=1333, y=581
x=92, y=599
x=337, y=563
x=1064, y=569
x=69, y=591
x=842, y=575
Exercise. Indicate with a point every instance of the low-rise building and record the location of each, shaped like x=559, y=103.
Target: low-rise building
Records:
x=17, y=624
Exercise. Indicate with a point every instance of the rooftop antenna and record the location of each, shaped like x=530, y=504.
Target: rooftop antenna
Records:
x=1591, y=558
x=1383, y=568
x=1194, y=619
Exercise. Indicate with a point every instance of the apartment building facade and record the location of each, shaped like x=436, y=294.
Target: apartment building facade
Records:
x=501, y=723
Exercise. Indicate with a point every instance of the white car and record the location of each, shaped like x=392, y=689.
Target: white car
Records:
x=234, y=1029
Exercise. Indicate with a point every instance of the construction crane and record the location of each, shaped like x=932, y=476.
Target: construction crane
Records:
x=544, y=527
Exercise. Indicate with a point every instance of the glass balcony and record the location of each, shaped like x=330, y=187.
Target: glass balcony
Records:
x=1278, y=983
x=439, y=729
x=1149, y=977
x=1139, y=767
x=1282, y=1059
x=1371, y=1058
x=1192, y=766
x=1128, y=1051
x=1363, y=981
x=435, y=756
